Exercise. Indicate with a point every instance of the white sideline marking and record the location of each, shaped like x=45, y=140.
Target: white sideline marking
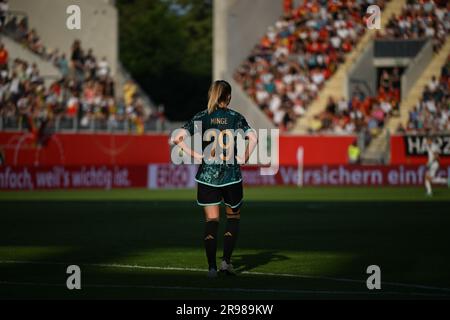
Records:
x=128, y=266
x=246, y=290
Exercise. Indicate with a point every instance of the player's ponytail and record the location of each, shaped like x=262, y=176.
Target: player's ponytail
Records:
x=219, y=92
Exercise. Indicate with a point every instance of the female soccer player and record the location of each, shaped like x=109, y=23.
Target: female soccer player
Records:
x=431, y=175
x=219, y=175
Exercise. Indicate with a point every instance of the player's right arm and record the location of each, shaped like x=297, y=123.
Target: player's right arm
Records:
x=436, y=156
x=179, y=140
x=435, y=150
x=188, y=129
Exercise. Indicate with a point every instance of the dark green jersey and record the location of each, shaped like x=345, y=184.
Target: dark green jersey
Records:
x=222, y=119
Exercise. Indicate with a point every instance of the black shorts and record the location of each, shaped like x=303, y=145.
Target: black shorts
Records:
x=231, y=195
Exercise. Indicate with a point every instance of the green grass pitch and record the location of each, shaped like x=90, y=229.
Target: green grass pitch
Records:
x=294, y=244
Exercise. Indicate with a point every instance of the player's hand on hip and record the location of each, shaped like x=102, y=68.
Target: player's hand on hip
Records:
x=197, y=156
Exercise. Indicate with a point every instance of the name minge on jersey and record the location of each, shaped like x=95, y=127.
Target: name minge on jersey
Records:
x=219, y=121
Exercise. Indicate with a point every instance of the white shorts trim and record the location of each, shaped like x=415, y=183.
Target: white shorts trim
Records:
x=232, y=207
x=209, y=204
x=218, y=185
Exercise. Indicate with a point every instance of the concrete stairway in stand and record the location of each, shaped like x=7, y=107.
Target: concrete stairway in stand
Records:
x=376, y=152
x=336, y=85
x=415, y=94
x=16, y=50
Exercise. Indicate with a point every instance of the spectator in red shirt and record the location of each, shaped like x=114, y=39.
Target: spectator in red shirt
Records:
x=287, y=5
x=3, y=57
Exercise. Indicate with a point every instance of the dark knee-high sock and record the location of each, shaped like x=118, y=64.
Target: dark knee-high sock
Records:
x=210, y=239
x=230, y=238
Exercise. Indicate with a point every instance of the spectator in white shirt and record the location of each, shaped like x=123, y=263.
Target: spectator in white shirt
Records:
x=103, y=68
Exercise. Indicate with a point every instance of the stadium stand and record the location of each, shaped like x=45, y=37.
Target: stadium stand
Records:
x=281, y=79
x=362, y=112
x=83, y=97
x=419, y=19
x=287, y=69
x=432, y=112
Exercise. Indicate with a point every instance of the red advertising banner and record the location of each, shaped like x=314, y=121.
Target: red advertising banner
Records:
x=341, y=175
x=317, y=150
x=82, y=177
x=70, y=149
x=412, y=150
x=22, y=149
x=171, y=176
x=168, y=176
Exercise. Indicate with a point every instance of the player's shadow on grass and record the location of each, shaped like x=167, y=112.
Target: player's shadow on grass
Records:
x=248, y=262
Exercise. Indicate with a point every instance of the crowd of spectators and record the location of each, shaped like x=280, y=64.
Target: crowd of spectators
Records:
x=289, y=66
x=362, y=112
x=420, y=19
x=85, y=94
x=287, y=69
x=432, y=112
x=4, y=8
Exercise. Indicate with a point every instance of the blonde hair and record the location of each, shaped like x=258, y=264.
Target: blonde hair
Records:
x=219, y=92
